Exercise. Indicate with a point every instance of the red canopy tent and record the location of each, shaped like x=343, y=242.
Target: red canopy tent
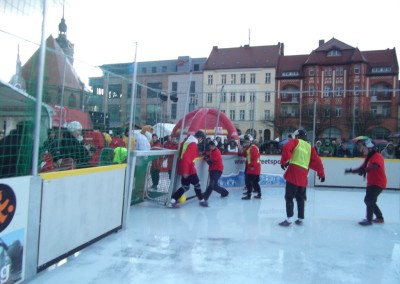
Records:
x=67, y=115
x=205, y=119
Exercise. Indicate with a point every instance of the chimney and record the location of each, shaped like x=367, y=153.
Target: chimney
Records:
x=281, y=46
x=321, y=42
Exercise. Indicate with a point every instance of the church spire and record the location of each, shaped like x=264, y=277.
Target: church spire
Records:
x=16, y=79
x=62, y=40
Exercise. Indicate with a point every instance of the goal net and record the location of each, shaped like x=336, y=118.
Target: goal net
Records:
x=155, y=178
x=154, y=175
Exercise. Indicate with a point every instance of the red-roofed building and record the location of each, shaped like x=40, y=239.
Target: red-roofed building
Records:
x=356, y=92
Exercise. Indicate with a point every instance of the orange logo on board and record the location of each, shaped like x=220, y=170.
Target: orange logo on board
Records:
x=8, y=205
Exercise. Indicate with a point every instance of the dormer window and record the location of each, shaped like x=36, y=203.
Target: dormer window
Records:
x=334, y=52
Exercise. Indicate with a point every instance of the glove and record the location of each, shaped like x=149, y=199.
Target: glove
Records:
x=362, y=171
x=322, y=179
x=348, y=171
x=284, y=166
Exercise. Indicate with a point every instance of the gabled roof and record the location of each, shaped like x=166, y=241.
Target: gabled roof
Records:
x=291, y=63
x=382, y=58
x=334, y=44
x=244, y=57
x=54, y=67
x=374, y=58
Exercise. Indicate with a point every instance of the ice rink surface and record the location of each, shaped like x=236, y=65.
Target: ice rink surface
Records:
x=240, y=241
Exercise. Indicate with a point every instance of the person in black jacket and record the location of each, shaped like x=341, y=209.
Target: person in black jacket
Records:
x=72, y=145
x=16, y=150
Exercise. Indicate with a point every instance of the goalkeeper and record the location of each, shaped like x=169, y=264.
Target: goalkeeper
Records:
x=373, y=168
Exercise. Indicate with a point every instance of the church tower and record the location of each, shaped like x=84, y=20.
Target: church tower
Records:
x=17, y=80
x=63, y=42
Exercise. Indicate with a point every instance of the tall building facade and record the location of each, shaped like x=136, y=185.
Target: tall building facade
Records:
x=241, y=83
x=162, y=90
x=339, y=90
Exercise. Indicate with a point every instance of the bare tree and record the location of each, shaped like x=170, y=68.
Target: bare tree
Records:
x=363, y=121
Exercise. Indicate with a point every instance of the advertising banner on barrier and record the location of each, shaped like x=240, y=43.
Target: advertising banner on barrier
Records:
x=14, y=199
x=234, y=167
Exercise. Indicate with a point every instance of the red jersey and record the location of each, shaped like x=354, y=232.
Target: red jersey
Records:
x=377, y=176
x=252, y=155
x=296, y=174
x=187, y=155
x=215, y=160
x=170, y=158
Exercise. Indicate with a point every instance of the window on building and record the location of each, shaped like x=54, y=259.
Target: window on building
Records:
x=164, y=69
x=386, y=110
x=232, y=115
x=310, y=112
x=339, y=71
x=252, y=96
x=154, y=69
x=233, y=97
x=294, y=111
x=223, y=97
x=328, y=91
x=196, y=67
x=386, y=92
x=357, y=69
x=210, y=79
x=356, y=111
x=138, y=91
x=252, y=78
x=267, y=97
x=381, y=69
x=193, y=87
x=328, y=71
x=311, y=72
x=233, y=79
x=242, y=114
x=153, y=89
x=284, y=111
x=72, y=101
x=338, y=111
x=242, y=78
x=334, y=52
x=374, y=110
x=209, y=97
x=327, y=111
x=223, y=79
x=267, y=114
x=251, y=114
x=144, y=70
x=312, y=90
x=114, y=91
x=356, y=90
x=174, y=88
x=242, y=97
x=173, y=110
x=267, y=78
x=339, y=90
x=374, y=91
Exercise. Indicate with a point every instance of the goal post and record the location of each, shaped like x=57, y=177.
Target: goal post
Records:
x=155, y=178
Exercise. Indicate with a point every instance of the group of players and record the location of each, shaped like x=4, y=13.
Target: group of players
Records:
x=298, y=156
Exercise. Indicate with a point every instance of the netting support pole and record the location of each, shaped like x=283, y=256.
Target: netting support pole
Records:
x=39, y=95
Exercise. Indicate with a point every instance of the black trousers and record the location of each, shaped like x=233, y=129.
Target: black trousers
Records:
x=293, y=191
x=186, y=182
x=213, y=185
x=371, y=197
x=252, y=183
x=155, y=176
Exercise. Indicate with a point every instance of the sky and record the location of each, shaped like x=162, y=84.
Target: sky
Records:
x=115, y=31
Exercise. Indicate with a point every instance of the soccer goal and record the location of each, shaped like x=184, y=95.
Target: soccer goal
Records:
x=154, y=175
x=155, y=178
